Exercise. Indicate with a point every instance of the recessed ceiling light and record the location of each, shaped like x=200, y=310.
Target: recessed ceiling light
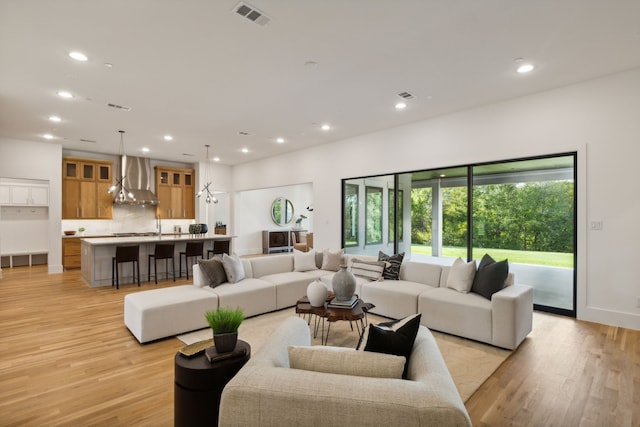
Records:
x=168, y=138
x=401, y=106
x=216, y=159
x=108, y=64
x=525, y=68
x=55, y=119
x=64, y=94
x=78, y=56
x=325, y=127
x=280, y=140
x=48, y=136
x=145, y=149
x=245, y=150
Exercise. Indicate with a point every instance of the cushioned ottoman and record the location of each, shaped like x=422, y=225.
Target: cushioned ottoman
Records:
x=160, y=313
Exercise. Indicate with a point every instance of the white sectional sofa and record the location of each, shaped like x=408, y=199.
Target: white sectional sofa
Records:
x=267, y=392
x=271, y=284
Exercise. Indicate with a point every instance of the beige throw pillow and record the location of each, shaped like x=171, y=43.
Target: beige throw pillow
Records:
x=233, y=268
x=304, y=261
x=346, y=361
x=461, y=275
x=332, y=260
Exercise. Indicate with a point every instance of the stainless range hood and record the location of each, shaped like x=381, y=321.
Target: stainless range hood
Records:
x=137, y=178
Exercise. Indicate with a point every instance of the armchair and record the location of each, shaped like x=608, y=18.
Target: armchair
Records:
x=305, y=243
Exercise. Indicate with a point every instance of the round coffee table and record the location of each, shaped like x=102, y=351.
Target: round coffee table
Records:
x=199, y=384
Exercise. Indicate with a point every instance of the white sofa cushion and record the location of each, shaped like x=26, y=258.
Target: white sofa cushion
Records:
x=272, y=264
x=466, y=315
x=233, y=268
x=393, y=298
x=290, y=287
x=254, y=296
x=160, y=313
x=421, y=272
x=346, y=361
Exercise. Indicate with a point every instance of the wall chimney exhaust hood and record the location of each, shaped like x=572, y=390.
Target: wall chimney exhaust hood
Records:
x=136, y=177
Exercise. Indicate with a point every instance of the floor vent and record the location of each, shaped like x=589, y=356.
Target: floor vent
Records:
x=251, y=13
x=406, y=95
x=118, y=107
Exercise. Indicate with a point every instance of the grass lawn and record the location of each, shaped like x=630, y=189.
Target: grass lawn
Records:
x=553, y=259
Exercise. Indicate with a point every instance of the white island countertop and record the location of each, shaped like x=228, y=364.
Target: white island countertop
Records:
x=123, y=240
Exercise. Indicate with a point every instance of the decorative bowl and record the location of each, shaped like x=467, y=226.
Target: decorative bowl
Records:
x=69, y=232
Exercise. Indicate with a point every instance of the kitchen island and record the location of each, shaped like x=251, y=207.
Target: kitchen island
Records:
x=97, y=252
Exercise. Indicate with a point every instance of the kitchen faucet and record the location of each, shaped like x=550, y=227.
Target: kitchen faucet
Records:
x=159, y=224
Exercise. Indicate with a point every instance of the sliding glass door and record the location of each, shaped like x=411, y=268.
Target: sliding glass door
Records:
x=522, y=210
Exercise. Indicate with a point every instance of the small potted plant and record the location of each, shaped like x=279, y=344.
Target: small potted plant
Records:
x=299, y=221
x=225, y=323
x=81, y=231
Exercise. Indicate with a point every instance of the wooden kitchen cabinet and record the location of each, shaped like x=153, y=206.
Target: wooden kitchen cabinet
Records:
x=174, y=188
x=70, y=252
x=84, y=188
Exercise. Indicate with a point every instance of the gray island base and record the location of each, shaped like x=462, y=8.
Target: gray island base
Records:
x=96, y=254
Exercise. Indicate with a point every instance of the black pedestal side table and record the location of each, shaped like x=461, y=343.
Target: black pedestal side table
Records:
x=198, y=386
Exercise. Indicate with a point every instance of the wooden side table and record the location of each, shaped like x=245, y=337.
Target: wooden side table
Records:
x=357, y=314
x=198, y=386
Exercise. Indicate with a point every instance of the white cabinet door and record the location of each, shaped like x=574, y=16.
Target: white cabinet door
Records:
x=19, y=195
x=5, y=194
x=40, y=196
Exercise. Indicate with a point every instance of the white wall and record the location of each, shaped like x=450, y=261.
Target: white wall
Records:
x=598, y=119
x=38, y=160
x=252, y=214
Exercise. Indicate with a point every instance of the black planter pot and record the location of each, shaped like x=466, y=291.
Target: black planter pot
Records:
x=225, y=343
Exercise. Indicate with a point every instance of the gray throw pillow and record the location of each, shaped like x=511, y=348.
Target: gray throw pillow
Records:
x=214, y=270
x=233, y=268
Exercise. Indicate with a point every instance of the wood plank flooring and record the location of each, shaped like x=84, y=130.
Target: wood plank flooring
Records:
x=66, y=358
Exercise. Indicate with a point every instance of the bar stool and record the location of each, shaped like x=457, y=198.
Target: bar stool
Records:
x=193, y=249
x=162, y=251
x=129, y=253
x=219, y=247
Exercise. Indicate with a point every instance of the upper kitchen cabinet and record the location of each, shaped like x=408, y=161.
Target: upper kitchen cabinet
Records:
x=174, y=188
x=24, y=192
x=84, y=188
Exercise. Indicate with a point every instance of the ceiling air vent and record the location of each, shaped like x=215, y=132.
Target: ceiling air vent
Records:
x=118, y=107
x=251, y=13
x=406, y=95
x=88, y=140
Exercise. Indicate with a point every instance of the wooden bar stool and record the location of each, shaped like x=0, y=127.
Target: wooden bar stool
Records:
x=193, y=249
x=219, y=247
x=163, y=251
x=125, y=254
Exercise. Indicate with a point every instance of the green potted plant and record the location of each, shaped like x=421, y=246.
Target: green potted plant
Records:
x=299, y=221
x=225, y=323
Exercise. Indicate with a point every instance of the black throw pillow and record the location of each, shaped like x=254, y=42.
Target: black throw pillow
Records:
x=395, y=338
x=392, y=270
x=490, y=276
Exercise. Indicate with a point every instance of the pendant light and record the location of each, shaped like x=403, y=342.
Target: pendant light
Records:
x=124, y=193
x=206, y=189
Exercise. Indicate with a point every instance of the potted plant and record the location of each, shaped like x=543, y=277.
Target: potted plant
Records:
x=81, y=231
x=225, y=323
x=299, y=221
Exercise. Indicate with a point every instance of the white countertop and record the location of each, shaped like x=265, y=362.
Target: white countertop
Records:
x=101, y=241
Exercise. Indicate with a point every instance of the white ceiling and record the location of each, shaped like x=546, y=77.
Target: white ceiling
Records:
x=198, y=71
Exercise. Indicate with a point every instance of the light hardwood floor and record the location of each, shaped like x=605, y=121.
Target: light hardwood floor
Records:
x=66, y=358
